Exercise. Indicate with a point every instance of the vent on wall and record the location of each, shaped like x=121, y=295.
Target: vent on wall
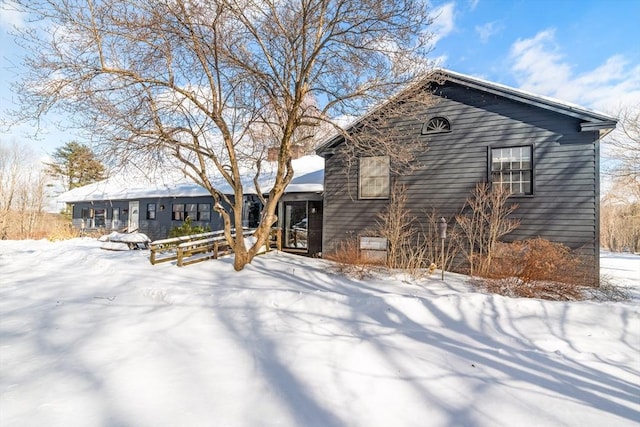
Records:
x=436, y=125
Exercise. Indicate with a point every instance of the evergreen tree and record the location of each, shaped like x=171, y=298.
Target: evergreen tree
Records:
x=75, y=164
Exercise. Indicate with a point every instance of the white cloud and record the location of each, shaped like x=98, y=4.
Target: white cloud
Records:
x=473, y=4
x=486, y=31
x=9, y=17
x=540, y=67
x=440, y=60
x=443, y=23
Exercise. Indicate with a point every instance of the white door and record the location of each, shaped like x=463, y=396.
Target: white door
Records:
x=134, y=215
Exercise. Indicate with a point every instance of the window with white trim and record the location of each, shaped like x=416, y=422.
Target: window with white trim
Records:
x=512, y=168
x=374, y=177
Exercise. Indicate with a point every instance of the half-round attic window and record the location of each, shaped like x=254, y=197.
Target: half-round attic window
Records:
x=436, y=125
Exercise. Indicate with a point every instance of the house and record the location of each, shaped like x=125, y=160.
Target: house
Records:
x=155, y=205
x=545, y=151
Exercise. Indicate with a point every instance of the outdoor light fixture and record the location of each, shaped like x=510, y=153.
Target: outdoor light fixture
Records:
x=442, y=231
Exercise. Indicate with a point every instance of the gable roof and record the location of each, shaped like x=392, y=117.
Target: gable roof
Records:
x=592, y=120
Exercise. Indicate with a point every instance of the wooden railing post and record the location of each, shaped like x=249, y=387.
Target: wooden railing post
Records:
x=279, y=239
x=180, y=256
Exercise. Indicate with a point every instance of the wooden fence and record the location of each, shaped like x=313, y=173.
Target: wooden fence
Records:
x=199, y=247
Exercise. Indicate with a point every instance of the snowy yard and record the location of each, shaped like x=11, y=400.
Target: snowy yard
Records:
x=90, y=337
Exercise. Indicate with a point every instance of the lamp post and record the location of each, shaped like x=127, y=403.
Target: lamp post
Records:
x=442, y=231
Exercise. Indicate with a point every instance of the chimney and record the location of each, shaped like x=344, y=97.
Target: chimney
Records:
x=297, y=151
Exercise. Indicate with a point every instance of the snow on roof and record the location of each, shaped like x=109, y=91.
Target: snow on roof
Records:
x=312, y=182
x=309, y=177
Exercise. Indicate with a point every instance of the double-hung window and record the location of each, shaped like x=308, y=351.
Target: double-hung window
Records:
x=512, y=168
x=195, y=211
x=374, y=177
x=178, y=212
x=204, y=212
x=151, y=211
x=191, y=210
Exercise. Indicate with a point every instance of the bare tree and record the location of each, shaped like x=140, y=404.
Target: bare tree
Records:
x=380, y=132
x=624, y=150
x=29, y=208
x=9, y=178
x=22, y=192
x=620, y=218
x=620, y=205
x=213, y=83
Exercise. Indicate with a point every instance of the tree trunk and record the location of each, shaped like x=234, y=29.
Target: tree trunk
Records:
x=241, y=259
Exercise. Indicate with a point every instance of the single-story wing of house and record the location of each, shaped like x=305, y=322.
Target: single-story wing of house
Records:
x=153, y=206
x=545, y=151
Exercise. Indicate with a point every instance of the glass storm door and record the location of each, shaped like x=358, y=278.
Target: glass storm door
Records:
x=134, y=216
x=115, y=220
x=295, y=225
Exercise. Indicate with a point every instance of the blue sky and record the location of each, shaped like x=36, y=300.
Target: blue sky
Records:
x=580, y=51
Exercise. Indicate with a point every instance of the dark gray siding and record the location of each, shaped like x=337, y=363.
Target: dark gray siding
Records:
x=108, y=206
x=157, y=228
x=160, y=227
x=563, y=207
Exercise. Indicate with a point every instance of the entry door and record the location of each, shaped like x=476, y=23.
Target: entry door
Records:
x=295, y=225
x=134, y=216
x=115, y=220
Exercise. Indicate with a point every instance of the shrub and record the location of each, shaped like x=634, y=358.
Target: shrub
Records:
x=538, y=268
x=607, y=291
x=414, y=246
x=62, y=230
x=483, y=221
x=187, y=229
x=516, y=288
x=538, y=260
x=348, y=259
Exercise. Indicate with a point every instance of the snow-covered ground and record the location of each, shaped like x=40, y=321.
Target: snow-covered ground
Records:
x=90, y=337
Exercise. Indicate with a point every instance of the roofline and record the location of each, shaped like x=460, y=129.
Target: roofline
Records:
x=593, y=120
x=123, y=187
x=531, y=98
